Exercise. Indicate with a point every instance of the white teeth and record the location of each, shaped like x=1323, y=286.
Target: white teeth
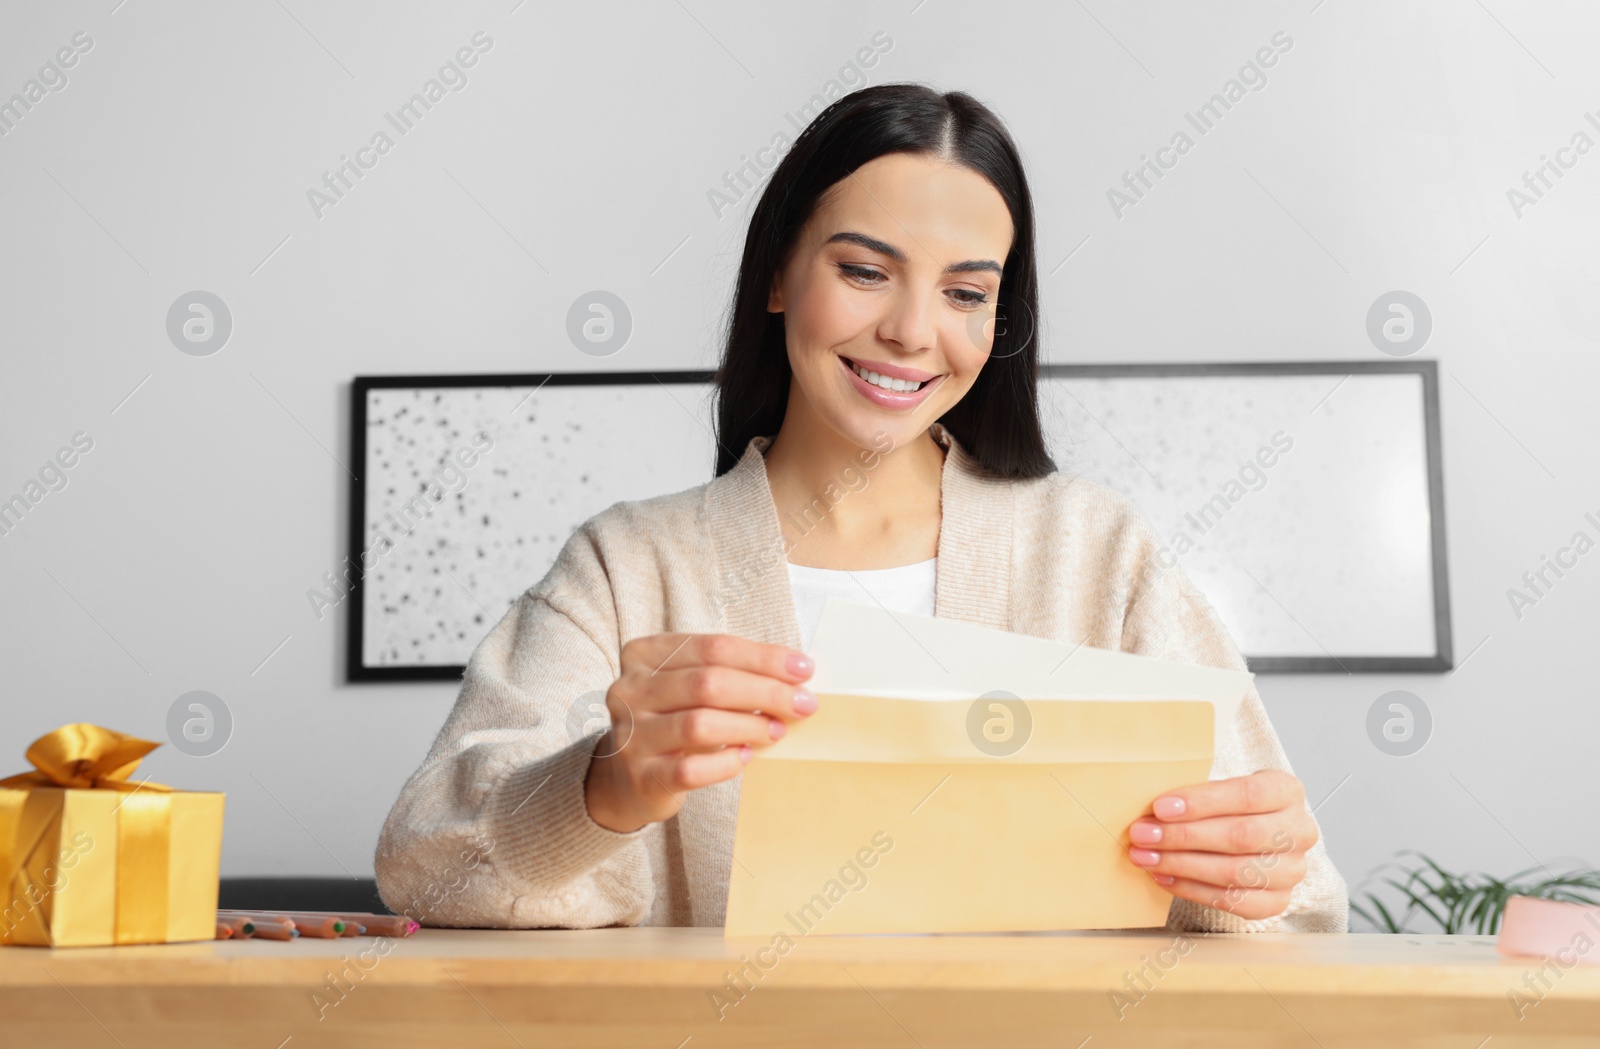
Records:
x=898, y=385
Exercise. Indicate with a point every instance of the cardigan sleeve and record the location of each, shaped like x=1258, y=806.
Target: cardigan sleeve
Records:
x=1167, y=616
x=493, y=829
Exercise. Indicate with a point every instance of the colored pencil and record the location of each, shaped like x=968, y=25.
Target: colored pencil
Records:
x=240, y=926
x=270, y=930
x=365, y=923
x=321, y=926
x=388, y=925
x=374, y=924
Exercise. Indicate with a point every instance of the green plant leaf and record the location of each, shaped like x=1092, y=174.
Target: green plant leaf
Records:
x=1457, y=902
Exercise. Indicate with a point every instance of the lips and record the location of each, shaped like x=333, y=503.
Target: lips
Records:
x=887, y=380
x=894, y=399
x=893, y=371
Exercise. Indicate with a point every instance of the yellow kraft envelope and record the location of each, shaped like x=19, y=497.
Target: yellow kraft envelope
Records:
x=881, y=815
x=991, y=791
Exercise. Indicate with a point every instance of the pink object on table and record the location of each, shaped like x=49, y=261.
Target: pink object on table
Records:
x=1568, y=932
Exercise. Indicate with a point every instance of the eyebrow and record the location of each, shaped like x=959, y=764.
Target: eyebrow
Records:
x=882, y=248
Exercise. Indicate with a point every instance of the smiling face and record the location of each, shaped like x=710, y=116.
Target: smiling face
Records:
x=896, y=273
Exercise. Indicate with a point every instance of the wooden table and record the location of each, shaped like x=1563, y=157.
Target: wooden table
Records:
x=656, y=988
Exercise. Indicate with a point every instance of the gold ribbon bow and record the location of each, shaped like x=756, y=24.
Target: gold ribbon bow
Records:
x=84, y=757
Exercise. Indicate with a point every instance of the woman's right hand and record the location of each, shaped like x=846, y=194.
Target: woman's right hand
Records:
x=689, y=711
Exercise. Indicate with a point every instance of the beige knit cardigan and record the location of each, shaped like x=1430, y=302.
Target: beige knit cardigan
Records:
x=492, y=830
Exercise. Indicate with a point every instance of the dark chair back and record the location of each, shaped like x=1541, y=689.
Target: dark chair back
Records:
x=301, y=894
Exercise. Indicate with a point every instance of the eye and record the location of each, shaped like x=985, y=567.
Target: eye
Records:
x=864, y=274
x=977, y=298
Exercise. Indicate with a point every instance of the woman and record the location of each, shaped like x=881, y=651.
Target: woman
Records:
x=878, y=430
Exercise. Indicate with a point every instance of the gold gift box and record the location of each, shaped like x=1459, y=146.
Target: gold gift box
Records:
x=92, y=859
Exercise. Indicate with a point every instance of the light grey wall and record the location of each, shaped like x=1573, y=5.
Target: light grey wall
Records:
x=580, y=154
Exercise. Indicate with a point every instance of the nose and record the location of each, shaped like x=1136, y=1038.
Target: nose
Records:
x=909, y=321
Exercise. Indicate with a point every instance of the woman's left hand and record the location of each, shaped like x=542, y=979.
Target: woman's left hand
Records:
x=1238, y=845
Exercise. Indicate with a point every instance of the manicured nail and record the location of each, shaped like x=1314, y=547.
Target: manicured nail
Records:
x=1163, y=879
x=800, y=665
x=1145, y=833
x=1144, y=857
x=804, y=701
x=744, y=754
x=777, y=728
x=1169, y=808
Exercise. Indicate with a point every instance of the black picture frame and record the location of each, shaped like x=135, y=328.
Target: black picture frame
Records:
x=356, y=670
x=1442, y=660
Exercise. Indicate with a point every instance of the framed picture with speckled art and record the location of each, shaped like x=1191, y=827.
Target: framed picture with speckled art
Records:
x=470, y=484
x=1305, y=499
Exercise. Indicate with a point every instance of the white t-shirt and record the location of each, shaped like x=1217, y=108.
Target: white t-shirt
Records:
x=904, y=588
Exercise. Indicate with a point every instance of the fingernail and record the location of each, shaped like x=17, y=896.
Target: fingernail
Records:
x=1144, y=857
x=1167, y=808
x=1163, y=879
x=777, y=728
x=804, y=701
x=800, y=665
x=744, y=754
x=1145, y=833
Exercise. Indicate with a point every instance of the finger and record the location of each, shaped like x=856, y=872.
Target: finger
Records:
x=1242, y=903
x=691, y=771
x=1270, y=832
x=727, y=689
x=656, y=653
x=1249, y=874
x=1266, y=791
x=704, y=729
